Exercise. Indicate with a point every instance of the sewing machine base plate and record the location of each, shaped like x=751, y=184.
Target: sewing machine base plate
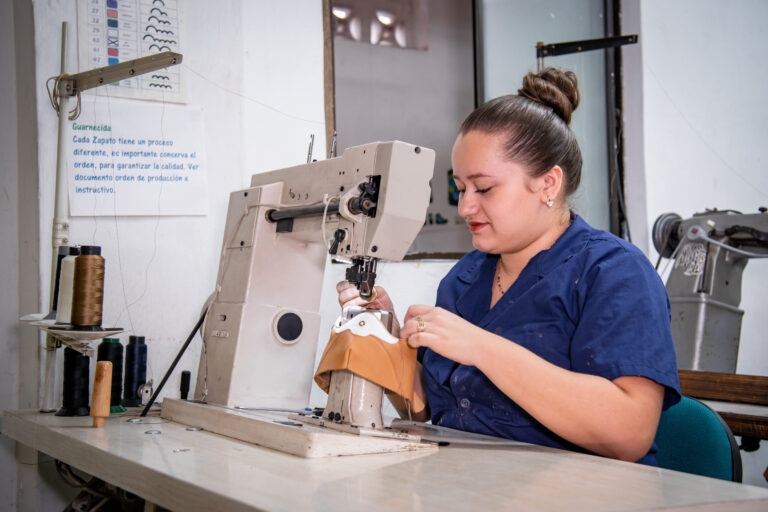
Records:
x=281, y=431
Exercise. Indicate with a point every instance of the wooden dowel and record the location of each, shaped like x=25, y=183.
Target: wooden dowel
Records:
x=102, y=388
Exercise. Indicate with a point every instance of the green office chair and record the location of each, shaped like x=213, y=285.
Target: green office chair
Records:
x=693, y=438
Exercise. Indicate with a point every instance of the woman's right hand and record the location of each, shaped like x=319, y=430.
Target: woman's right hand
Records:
x=349, y=295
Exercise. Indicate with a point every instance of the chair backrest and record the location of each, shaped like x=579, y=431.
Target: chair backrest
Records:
x=693, y=438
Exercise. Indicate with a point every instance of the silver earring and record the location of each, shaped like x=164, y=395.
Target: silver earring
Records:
x=549, y=202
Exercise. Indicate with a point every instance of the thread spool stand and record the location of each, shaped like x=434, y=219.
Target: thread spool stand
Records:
x=87, y=295
x=78, y=317
x=67, y=86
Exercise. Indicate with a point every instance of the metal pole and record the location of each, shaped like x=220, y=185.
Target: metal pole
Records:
x=60, y=215
x=60, y=234
x=311, y=143
x=614, y=175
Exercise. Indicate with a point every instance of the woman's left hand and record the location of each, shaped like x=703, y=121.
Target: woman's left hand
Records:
x=447, y=334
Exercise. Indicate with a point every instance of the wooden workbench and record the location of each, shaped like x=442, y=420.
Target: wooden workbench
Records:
x=197, y=470
x=741, y=400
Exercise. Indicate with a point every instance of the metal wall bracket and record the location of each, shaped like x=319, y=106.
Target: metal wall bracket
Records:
x=70, y=85
x=554, y=49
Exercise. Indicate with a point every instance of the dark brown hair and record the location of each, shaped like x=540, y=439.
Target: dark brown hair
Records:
x=535, y=124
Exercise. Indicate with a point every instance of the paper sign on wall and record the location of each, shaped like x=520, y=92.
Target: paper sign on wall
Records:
x=113, y=31
x=135, y=158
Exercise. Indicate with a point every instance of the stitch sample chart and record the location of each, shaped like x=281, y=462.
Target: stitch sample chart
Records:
x=112, y=31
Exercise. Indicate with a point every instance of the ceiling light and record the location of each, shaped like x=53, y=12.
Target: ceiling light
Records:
x=385, y=18
x=341, y=13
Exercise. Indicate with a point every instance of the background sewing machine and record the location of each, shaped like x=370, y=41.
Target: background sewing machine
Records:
x=261, y=330
x=710, y=251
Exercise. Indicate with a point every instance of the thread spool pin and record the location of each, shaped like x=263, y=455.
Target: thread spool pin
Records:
x=184, y=387
x=112, y=350
x=102, y=385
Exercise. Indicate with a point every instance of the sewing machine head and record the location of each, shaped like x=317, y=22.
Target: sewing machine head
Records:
x=367, y=205
x=710, y=251
x=261, y=330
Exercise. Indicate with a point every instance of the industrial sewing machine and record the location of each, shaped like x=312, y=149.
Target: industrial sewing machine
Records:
x=261, y=330
x=710, y=251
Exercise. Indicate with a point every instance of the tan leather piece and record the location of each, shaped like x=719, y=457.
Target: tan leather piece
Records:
x=391, y=366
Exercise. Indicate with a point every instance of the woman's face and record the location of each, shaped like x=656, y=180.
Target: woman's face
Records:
x=500, y=202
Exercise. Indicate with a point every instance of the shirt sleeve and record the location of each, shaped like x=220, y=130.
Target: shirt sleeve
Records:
x=624, y=326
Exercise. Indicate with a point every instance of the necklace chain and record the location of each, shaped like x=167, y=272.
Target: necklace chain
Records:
x=498, y=277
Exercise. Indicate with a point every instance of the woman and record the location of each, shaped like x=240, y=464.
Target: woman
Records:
x=550, y=332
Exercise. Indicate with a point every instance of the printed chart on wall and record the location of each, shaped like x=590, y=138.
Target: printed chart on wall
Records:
x=112, y=31
x=136, y=158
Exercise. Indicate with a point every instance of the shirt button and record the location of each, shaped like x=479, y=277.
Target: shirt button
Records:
x=464, y=403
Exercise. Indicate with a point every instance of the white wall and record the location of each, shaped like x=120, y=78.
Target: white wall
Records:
x=244, y=70
x=282, y=63
x=703, y=130
x=18, y=239
x=166, y=266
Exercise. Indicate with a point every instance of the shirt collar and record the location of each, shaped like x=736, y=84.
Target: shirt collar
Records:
x=472, y=272
x=571, y=242
x=473, y=304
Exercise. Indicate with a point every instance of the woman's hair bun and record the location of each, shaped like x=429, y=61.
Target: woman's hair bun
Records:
x=553, y=88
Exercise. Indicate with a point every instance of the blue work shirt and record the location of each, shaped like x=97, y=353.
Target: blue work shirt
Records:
x=592, y=304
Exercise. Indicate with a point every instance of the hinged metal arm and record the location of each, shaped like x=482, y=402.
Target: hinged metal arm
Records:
x=70, y=85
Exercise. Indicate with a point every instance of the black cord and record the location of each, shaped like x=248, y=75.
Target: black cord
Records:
x=68, y=476
x=663, y=246
x=71, y=479
x=174, y=363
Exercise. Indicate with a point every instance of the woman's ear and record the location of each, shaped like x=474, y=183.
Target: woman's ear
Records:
x=552, y=182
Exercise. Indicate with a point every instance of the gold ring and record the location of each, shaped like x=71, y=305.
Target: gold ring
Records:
x=419, y=324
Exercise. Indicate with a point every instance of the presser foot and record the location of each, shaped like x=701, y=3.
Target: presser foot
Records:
x=385, y=432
